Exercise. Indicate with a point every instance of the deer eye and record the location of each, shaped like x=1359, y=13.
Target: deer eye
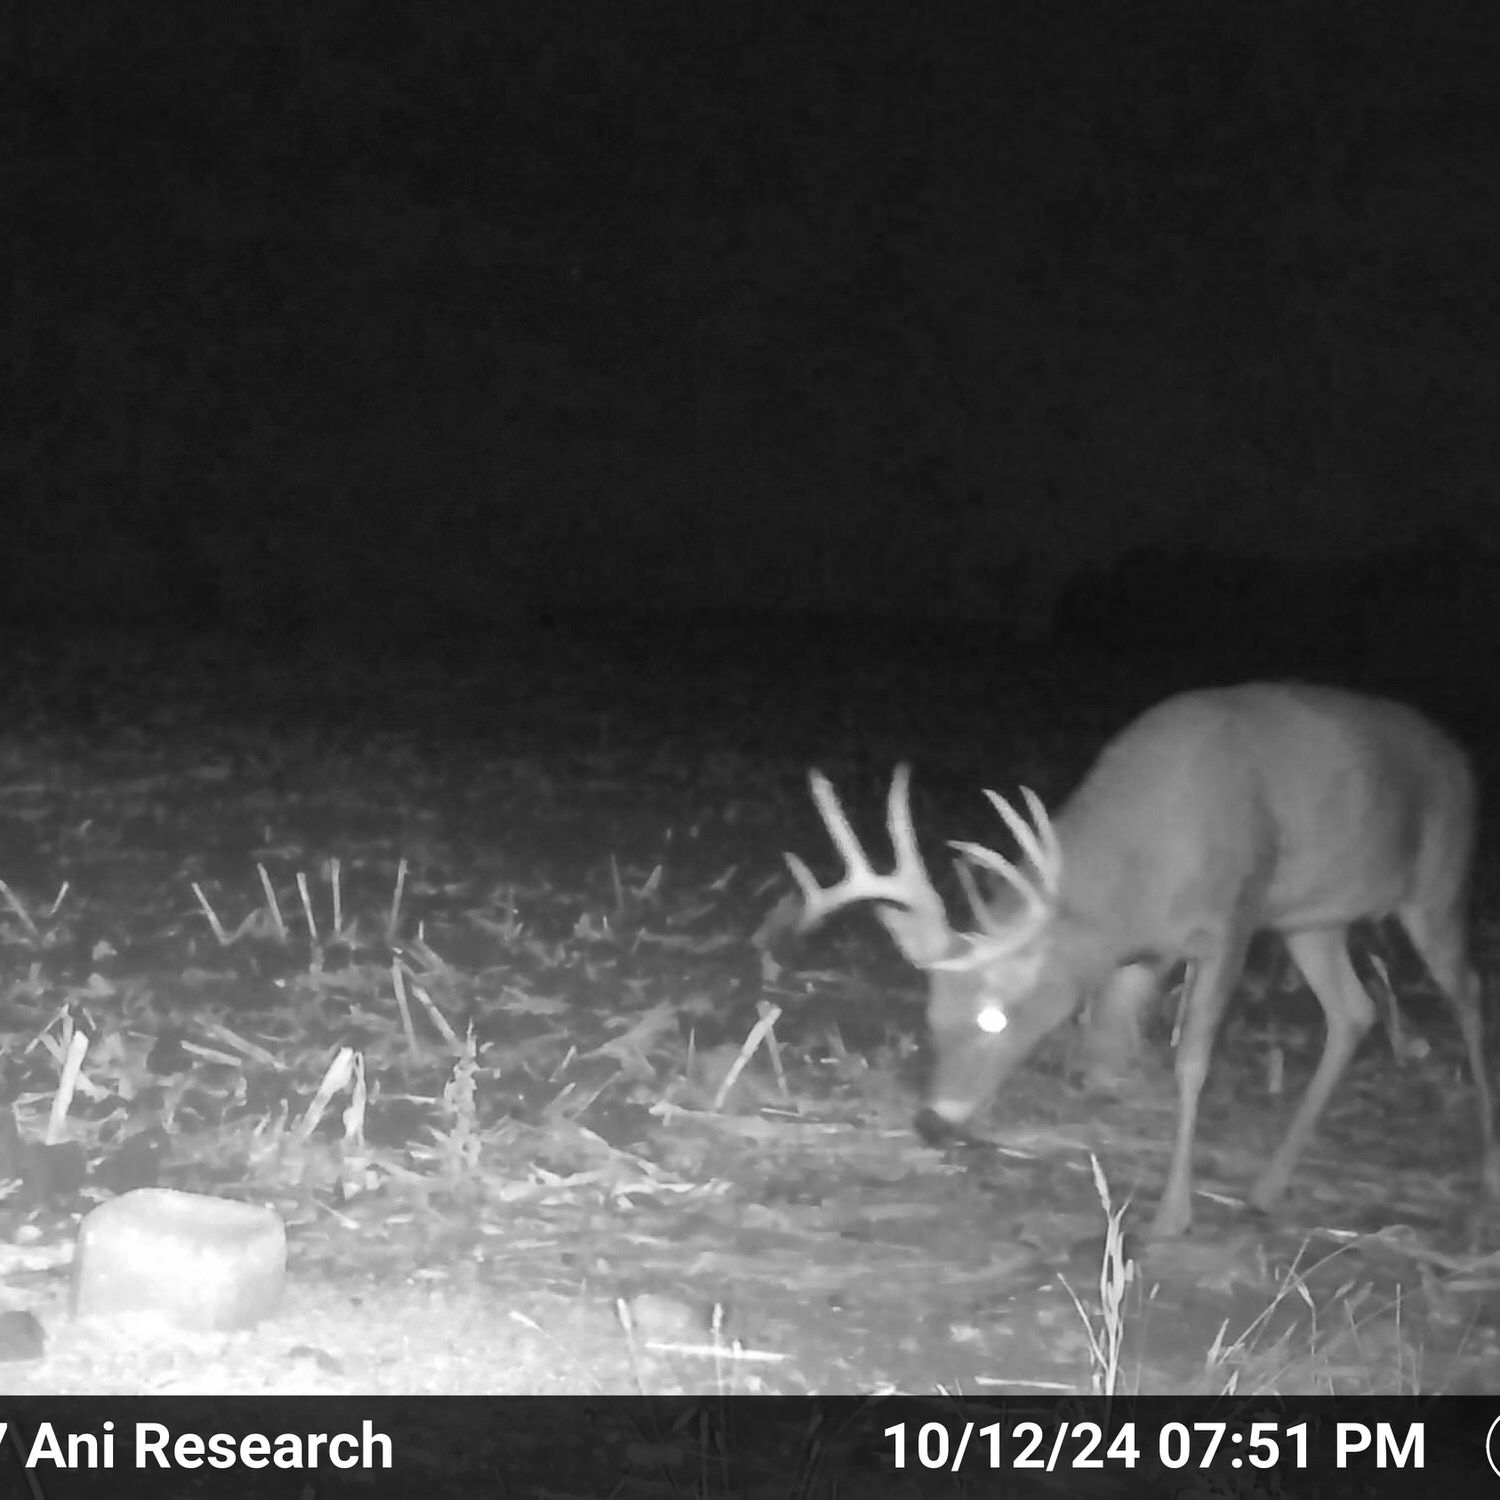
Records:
x=992, y=1019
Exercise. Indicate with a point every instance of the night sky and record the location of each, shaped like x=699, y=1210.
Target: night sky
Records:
x=1022, y=314
x=463, y=463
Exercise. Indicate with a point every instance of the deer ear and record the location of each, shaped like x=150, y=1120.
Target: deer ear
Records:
x=922, y=939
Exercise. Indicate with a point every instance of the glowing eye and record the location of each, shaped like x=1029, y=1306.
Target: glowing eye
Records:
x=992, y=1020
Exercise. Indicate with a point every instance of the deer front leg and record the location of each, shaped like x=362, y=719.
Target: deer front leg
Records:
x=1203, y=1009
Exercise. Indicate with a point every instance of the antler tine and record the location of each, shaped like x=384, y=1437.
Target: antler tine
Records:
x=986, y=919
x=907, y=886
x=814, y=906
x=1042, y=821
x=1035, y=896
x=1037, y=889
x=910, y=870
x=1038, y=838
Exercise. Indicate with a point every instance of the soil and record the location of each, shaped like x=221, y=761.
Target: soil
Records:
x=523, y=894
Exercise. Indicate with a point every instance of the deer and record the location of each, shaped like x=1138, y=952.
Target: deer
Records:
x=1219, y=813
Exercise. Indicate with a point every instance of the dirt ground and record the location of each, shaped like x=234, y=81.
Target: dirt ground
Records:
x=522, y=892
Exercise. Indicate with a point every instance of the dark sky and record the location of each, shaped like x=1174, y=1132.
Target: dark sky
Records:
x=313, y=306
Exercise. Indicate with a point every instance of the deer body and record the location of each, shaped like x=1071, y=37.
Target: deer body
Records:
x=1214, y=815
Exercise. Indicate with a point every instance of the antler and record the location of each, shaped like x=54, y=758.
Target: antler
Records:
x=920, y=926
x=910, y=906
x=1038, y=840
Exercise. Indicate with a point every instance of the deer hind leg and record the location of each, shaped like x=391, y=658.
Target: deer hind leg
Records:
x=1440, y=941
x=1209, y=982
x=1348, y=1013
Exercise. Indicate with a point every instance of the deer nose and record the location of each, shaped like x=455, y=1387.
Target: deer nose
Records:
x=933, y=1129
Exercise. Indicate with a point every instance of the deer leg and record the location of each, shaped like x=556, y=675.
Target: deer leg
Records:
x=1441, y=945
x=1202, y=1010
x=1113, y=1040
x=1348, y=1013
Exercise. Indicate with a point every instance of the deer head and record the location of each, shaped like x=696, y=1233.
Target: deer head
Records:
x=991, y=996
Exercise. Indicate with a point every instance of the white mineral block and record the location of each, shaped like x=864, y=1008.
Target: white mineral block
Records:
x=201, y=1263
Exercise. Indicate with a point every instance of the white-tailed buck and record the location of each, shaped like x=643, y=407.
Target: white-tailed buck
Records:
x=1216, y=814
